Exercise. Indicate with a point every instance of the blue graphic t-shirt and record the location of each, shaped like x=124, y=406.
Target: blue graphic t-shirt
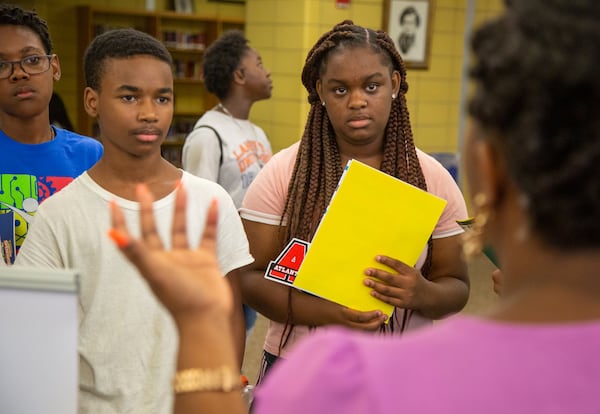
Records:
x=30, y=173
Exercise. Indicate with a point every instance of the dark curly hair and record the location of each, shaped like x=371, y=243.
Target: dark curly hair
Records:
x=221, y=60
x=538, y=86
x=16, y=16
x=119, y=44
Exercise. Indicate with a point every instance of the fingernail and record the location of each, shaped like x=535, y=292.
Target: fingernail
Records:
x=119, y=238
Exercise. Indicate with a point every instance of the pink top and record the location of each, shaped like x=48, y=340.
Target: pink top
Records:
x=462, y=365
x=265, y=200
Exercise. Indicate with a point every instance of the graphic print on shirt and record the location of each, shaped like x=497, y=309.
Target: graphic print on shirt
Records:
x=285, y=268
x=20, y=196
x=249, y=153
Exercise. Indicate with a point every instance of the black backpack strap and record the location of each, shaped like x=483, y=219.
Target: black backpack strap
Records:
x=218, y=137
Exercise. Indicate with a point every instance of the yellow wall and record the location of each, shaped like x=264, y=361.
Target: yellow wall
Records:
x=283, y=31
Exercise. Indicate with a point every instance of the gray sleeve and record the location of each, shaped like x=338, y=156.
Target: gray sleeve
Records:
x=201, y=154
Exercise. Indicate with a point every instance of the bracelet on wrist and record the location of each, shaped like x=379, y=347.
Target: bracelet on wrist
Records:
x=221, y=379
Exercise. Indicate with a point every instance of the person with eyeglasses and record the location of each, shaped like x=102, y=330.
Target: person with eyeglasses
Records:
x=36, y=159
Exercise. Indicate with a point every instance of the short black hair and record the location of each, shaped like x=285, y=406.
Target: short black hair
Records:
x=119, y=44
x=221, y=60
x=538, y=89
x=17, y=16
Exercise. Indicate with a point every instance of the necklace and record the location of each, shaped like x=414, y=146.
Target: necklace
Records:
x=244, y=131
x=225, y=110
x=236, y=121
x=52, y=134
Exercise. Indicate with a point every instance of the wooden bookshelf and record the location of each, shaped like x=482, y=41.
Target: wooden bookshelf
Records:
x=186, y=36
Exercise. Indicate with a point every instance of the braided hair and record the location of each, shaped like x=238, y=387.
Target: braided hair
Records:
x=537, y=85
x=318, y=166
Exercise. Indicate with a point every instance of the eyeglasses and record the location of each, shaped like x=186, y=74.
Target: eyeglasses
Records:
x=31, y=65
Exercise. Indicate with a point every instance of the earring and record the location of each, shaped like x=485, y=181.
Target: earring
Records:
x=393, y=96
x=323, y=103
x=473, y=236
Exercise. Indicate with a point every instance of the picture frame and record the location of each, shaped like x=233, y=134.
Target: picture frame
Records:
x=184, y=6
x=408, y=23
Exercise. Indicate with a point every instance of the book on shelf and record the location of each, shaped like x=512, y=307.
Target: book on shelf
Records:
x=178, y=39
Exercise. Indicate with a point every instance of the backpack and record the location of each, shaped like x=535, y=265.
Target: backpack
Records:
x=218, y=137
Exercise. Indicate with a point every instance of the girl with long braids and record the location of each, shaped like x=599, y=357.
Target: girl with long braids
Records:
x=356, y=83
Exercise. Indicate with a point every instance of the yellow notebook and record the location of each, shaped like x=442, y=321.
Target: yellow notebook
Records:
x=371, y=213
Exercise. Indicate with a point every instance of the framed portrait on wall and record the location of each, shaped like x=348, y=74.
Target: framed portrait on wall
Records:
x=408, y=22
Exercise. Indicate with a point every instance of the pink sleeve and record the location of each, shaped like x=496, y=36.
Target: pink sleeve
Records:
x=265, y=199
x=440, y=182
x=323, y=374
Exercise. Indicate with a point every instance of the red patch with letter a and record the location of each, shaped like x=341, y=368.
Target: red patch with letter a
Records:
x=285, y=268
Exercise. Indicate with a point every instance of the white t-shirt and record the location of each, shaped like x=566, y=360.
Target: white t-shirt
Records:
x=245, y=150
x=127, y=340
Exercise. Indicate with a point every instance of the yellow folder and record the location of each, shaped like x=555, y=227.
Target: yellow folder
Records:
x=371, y=213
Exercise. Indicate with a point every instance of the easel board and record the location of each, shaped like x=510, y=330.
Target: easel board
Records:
x=38, y=340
